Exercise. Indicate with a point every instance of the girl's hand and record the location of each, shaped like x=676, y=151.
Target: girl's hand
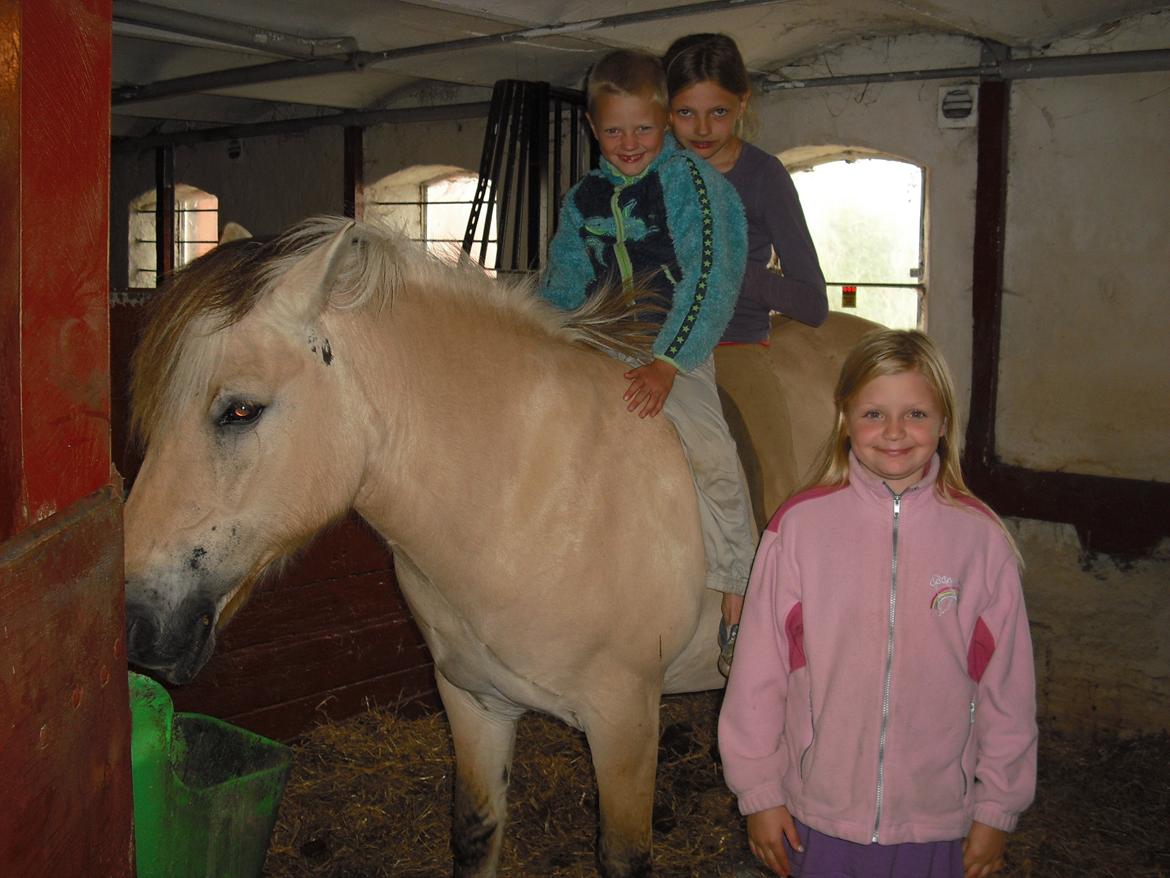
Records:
x=983, y=851
x=766, y=833
x=649, y=387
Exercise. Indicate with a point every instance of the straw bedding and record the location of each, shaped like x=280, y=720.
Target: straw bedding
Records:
x=370, y=796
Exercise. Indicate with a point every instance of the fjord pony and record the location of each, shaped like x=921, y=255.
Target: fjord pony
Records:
x=546, y=540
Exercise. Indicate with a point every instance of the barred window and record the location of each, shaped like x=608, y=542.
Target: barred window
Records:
x=196, y=231
x=430, y=204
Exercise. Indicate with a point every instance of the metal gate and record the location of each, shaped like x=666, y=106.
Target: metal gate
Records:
x=536, y=146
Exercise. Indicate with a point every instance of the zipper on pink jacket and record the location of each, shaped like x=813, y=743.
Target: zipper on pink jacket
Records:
x=881, y=775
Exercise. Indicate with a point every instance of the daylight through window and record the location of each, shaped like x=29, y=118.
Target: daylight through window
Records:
x=434, y=211
x=866, y=219
x=196, y=231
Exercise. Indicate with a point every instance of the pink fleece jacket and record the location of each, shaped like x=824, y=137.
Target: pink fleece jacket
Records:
x=883, y=686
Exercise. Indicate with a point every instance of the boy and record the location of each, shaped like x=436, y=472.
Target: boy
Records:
x=658, y=213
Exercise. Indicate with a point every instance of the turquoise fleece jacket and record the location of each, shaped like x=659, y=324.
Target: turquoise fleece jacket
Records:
x=678, y=228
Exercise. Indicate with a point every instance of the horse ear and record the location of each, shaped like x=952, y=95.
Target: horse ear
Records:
x=233, y=231
x=309, y=282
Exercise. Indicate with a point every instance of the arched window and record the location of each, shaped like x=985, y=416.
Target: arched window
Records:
x=196, y=231
x=430, y=203
x=866, y=214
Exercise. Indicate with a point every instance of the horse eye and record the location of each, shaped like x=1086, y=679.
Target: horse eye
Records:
x=239, y=413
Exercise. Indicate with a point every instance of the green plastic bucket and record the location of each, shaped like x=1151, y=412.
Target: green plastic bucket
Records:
x=205, y=792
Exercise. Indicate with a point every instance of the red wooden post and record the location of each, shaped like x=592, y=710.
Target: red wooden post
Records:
x=64, y=711
x=54, y=283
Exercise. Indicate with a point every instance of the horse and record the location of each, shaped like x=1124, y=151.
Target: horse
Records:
x=546, y=541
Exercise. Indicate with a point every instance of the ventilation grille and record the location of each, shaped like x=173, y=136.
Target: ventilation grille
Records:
x=957, y=105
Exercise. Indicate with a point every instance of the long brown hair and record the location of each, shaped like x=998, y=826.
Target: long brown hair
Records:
x=713, y=58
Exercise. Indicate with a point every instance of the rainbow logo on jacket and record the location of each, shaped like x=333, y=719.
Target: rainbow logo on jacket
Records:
x=946, y=594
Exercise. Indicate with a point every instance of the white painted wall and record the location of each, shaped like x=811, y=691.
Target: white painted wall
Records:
x=393, y=148
x=276, y=181
x=1085, y=369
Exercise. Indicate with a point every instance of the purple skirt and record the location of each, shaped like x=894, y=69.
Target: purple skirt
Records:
x=828, y=857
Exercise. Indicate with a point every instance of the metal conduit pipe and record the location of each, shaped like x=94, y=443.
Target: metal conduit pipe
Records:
x=1147, y=61
x=437, y=113
x=176, y=21
x=203, y=82
x=283, y=70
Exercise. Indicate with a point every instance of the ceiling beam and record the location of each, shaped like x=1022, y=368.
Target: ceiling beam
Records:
x=357, y=61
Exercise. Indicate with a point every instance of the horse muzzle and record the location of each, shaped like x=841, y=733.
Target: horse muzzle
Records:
x=175, y=645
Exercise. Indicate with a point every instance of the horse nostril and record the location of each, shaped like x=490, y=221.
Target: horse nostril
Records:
x=141, y=634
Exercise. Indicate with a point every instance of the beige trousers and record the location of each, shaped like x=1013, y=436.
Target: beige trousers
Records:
x=725, y=511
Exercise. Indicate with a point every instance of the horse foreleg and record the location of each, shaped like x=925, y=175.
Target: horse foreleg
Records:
x=624, y=747
x=483, y=733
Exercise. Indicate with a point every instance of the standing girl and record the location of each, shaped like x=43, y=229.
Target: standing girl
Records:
x=880, y=721
x=709, y=94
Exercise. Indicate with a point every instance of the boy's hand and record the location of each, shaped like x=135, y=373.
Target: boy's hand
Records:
x=766, y=832
x=983, y=851
x=649, y=387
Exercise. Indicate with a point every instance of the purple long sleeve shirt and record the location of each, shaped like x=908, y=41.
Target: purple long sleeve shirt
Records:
x=775, y=220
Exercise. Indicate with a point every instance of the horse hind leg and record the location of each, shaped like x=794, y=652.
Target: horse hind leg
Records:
x=484, y=735
x=624, y=747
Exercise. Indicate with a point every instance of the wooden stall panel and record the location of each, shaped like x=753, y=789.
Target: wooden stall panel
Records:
x=64, y=715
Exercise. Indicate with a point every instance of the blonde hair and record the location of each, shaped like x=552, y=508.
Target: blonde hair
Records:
x=890, y=352
x=627, y=72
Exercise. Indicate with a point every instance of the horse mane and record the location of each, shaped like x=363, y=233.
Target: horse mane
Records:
x=182, y=339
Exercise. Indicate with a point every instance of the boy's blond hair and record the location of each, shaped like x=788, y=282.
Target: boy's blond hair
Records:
x=627, y=72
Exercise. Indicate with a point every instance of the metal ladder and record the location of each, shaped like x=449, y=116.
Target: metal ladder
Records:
x=537, y=145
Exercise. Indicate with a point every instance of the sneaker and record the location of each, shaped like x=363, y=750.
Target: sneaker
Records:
x=727, y=636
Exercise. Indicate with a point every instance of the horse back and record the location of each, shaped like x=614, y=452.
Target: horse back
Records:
x=778, y=401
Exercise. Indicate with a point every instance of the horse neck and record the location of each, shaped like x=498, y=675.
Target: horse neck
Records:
x=450, y=385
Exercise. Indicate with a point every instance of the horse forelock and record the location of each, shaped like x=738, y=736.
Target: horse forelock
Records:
x=180, y=338
x=183, y=340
